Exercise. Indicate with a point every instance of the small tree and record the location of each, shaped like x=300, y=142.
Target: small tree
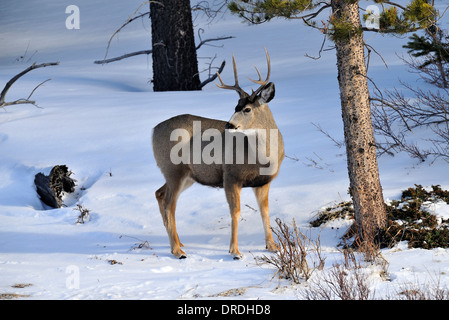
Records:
x=345, y=29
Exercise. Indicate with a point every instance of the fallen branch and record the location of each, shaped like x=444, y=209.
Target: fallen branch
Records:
x=16, y=77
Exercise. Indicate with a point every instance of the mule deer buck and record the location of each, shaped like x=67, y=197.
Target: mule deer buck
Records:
x=252, y=116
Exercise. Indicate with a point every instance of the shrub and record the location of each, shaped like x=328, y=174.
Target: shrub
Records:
x=408, y=219
x=298, y=256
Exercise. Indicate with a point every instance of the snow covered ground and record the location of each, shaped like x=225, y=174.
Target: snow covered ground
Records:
x=98, y=121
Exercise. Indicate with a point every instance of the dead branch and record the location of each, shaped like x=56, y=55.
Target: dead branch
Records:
x=202, y=42
x=338, y=144
x=210, y=10
x=319, y=52
x=8, y=85
x=147, y=52
x=395, y=116
x=213, y=76
x=132, y=54
x=130, y=19
x=213, y=39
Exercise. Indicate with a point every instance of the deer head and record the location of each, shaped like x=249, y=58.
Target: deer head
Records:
x=252, y=111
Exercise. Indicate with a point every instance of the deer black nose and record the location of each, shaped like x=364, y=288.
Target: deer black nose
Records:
x=229, y=125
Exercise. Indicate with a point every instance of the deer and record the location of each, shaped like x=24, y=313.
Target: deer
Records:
x=251, y=116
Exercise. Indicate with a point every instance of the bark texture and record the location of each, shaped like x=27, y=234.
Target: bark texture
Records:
x=51, y=188
x=365, y=187
x=175, y=64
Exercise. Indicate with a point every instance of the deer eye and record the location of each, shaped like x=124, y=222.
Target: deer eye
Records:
x=246, y=110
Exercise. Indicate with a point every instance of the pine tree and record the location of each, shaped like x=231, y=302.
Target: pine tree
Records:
x=433, y=48
x=344, y=28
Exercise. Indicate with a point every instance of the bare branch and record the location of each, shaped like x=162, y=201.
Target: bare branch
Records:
x=202, y=42
x=132, y=54
x=130, y=19
x=370, y=48
x=319, y=52
x=214, y=75
x=147, y=52
x=16, y=77
x=338, y=144
x=210, y=9
x=394, y=116
x=114, y=34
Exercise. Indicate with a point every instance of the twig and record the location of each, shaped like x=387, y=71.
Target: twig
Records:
x=202, y=42
x=338, y=144
x=369, y=47
x=319, y=52
x=214, y=76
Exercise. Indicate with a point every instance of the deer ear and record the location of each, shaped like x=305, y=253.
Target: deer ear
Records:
x=267, y=93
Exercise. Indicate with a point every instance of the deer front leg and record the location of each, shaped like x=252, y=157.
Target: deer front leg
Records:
x=233, y=191
x=262, y=199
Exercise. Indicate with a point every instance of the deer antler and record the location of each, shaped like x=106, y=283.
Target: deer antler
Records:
x=261, y=82
x=236, y=86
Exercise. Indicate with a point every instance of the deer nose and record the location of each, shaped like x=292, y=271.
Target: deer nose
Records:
x=229, y=126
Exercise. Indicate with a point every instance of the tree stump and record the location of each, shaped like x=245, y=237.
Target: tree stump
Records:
x=50, y=188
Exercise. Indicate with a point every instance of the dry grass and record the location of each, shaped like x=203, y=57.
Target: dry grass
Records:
x=10, y=296
x=298, y=256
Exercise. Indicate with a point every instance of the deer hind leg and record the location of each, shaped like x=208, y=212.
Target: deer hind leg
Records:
x=262, y=199
x=233, y=191
x=167, y=197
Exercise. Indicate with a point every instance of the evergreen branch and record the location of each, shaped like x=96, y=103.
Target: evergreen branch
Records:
x=395, y=4
x=252, y=10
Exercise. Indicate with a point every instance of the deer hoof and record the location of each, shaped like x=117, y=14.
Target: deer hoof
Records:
x=272, y=247
x=179, y=254
x=237, y=256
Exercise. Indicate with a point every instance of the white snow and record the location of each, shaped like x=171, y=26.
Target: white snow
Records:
x=98, y=121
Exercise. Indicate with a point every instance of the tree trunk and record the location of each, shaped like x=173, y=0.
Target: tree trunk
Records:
x=365, y=187
x=175, y=65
